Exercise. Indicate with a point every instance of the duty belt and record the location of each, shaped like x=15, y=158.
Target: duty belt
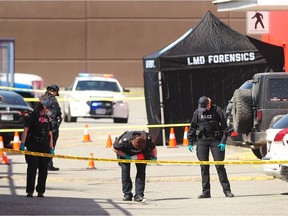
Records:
x=38, y=138
x=214, y=134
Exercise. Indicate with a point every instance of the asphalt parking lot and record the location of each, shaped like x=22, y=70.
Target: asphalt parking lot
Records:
x=171, y=189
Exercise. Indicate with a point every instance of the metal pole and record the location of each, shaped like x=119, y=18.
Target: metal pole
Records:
x=161, y=107
x=11, y=62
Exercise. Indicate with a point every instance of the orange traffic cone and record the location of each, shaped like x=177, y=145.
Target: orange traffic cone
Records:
x=172, y=139
x=185, y=139
x=91, y=163
x=1, y=142
x=16, y=141
x=86, y=134
x=109, y=142
x=1, y=146
x=4, y=158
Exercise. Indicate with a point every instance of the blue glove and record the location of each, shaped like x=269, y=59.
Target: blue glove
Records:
x=190, y=147
x=153, y=158
x=222, y=146
x=22, y=146
x=128, y=157
x=52, y=151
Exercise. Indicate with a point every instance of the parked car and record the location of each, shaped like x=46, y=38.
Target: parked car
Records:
x=96, y=96
x=13, y=110
x=235, y=138
x=277, y=149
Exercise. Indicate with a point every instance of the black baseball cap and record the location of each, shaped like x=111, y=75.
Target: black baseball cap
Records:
x=203, y=103
x=53, y=87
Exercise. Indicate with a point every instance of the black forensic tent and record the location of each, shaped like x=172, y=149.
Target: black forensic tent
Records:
x=212, y=60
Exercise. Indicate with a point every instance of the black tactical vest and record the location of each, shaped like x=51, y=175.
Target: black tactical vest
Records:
x=208, y=123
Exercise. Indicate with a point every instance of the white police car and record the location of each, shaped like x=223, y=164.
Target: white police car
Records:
x=96, y=96
x=277, y=149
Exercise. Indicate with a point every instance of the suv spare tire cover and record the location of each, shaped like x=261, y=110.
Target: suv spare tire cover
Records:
x=242, y=111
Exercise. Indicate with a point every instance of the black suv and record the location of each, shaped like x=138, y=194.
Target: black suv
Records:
x=255, y=109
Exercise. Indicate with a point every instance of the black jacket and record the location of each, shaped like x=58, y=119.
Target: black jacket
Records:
x=206, y=123
x=38, y=138
x=123, y=143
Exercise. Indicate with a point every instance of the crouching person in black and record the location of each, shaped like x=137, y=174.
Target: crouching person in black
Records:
x=135, y=145
x=37, y=137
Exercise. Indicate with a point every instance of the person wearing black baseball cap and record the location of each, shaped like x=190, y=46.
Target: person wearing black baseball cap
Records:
x=53, y=88
x=203, y=104
x=55, y=114
x=37, y=137
x=209, y=131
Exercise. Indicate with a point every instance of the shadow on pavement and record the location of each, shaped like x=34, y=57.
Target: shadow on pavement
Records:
x=22, y=205
x=260, y=195
x=13, y=204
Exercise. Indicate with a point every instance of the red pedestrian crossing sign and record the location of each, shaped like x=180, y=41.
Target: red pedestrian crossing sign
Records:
x=257, y=22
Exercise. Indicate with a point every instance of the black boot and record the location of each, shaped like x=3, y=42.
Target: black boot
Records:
x=52, y=168
x=229, y=194
x=204, y=195
x=127, y=197
x=138, y=198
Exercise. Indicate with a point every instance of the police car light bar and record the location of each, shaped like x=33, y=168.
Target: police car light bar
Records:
x=83, y=74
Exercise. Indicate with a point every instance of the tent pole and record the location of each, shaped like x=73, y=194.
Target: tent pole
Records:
x=161, y=107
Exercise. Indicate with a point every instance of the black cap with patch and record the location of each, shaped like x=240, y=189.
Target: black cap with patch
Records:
x=203, y=103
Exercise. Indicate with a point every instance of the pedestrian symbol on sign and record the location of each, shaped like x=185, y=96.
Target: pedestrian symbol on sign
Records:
x=257, y=22
x=259, y=18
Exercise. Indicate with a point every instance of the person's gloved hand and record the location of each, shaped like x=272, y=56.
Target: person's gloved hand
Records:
x=153, y=158
x=52, y=151
x=222, y=146
x=22, y=146
x=128, y=157
x=190, y=147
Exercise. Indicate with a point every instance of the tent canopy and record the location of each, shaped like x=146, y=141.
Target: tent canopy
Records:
x=211, y=60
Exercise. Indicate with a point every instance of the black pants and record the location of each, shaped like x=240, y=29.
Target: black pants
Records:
x=203, y=147
x=34, y=163
x=55, y=134
x=139, y=181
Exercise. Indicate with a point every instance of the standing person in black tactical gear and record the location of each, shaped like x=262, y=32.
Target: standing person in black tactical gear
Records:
x=37, y=137
x=134, y=145
x=55, y=114
x=209, y=130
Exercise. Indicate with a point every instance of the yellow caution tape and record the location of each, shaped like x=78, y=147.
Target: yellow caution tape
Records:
x=125, y=126
x=11, y=130
x=88, y=99
x=22, y=89
x=31, y=99
x=109, y=127
x=66, y=92
x=62, y=92
x=258, y=162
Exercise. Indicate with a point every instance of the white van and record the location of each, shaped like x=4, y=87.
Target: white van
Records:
x=27, y=85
